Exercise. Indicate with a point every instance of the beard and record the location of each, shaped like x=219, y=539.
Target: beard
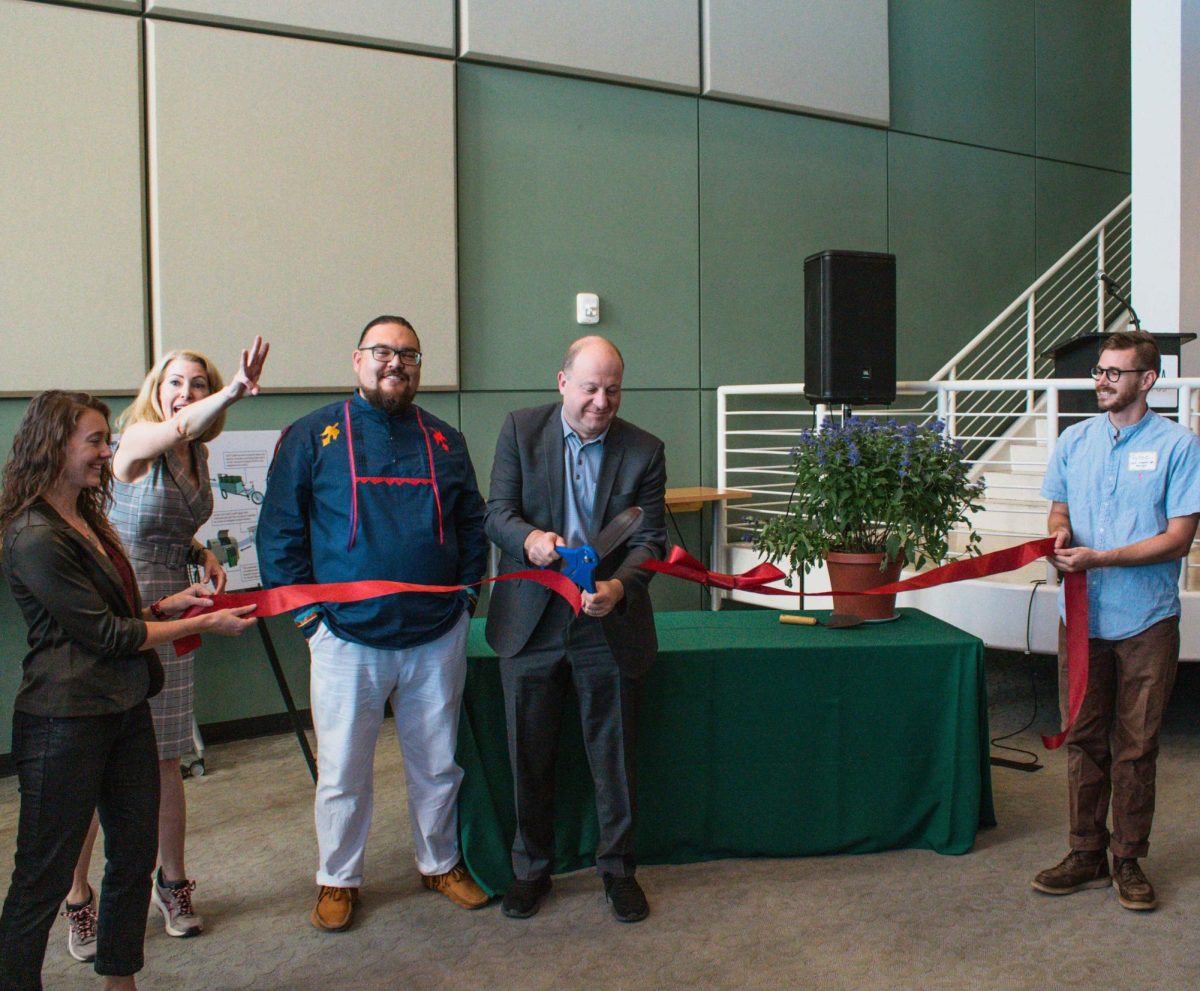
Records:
x=1115, y=401
x=390, y=403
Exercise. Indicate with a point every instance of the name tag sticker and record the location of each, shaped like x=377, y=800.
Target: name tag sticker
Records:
x=1143, y=460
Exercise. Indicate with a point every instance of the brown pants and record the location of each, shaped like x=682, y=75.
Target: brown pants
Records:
x=1112, y=750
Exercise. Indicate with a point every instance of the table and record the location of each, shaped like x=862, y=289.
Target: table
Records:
x=693, y=499
x=762, y=740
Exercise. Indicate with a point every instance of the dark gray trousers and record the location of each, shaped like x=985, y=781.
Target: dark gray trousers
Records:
x=560, y=653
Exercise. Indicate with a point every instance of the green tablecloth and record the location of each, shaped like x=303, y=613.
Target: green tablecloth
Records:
x=759, y=739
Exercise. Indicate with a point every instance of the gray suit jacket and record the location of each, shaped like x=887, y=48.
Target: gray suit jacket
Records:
x=527, y=494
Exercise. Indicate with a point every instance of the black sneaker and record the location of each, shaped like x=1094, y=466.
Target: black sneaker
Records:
x=1133, y=890
x=1078, y=870
x=523, y=899
x=626, y=897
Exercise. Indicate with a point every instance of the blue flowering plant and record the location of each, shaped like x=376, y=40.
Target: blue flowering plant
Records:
x=870, y=486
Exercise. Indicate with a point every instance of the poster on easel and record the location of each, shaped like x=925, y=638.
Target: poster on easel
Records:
x=238, y=462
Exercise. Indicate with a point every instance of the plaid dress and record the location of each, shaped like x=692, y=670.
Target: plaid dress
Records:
x=156, y=518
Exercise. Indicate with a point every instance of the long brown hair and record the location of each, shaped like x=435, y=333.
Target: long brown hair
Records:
x=146, y=405
x=39, y=454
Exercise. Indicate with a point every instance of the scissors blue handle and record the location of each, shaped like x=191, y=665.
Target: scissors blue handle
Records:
x=579, y=564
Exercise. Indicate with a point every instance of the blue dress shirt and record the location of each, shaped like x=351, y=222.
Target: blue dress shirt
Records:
x=1121, y=487
x=581, y=462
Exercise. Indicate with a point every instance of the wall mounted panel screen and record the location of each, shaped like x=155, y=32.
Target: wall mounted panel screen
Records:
x=72, y=294
x=656, y=43
x=418, y=25
x=298, y=189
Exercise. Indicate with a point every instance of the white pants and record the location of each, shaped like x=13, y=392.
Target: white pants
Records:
x=349, y=685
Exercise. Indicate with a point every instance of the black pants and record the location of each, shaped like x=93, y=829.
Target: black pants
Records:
x=68, y=768
x=535, y=686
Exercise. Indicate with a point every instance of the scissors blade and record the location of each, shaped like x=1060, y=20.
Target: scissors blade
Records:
x=619, y=529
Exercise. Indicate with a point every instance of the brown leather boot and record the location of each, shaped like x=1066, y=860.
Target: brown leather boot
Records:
x=457, y=885
x=1078, y=870
x=334, y=909
x=1133, y=890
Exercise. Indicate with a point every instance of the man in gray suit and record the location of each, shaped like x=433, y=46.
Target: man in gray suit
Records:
x=561, y=473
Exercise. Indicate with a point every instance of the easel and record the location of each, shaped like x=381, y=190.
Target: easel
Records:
x=286, y=692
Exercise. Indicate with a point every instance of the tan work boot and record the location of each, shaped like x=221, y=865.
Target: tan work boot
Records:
x=1133, y=890
x=334, y=909
x=1078, y=870
x=457, y=885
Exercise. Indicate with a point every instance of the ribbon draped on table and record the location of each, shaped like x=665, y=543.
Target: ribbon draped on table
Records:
x=286, y=598
x=680, y=564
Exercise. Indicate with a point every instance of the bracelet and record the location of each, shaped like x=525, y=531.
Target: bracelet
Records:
x=156, y=610
x=195, y=555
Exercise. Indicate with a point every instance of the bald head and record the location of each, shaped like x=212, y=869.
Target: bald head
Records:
x=590, y=384
x=592, y=341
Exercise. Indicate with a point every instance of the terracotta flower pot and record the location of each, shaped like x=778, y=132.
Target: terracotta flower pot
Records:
x=857, y=573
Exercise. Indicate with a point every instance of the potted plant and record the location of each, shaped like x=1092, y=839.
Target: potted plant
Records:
x=872, y=496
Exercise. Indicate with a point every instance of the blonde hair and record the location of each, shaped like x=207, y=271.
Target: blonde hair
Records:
x=146, y=406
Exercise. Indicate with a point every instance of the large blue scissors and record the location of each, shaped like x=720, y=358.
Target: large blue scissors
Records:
x=579, y=563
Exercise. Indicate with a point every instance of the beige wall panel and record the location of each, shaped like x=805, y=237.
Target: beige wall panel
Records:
x=826, y=57
x=418, y=25
x=622, y=40
x=298, y=189
x=111, y=4
x=72, y=267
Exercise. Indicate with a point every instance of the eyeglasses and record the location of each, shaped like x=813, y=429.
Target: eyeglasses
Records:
x=1114, y=374
x=384, y=354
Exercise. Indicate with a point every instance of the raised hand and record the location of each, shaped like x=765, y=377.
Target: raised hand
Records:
x=250, y=367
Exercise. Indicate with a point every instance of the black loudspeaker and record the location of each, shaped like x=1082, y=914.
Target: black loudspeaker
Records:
x=850, y=328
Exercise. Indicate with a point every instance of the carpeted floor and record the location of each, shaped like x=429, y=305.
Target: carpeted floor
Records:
x=901, y=920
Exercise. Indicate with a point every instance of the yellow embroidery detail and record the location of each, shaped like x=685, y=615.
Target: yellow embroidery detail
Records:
x=330, y=433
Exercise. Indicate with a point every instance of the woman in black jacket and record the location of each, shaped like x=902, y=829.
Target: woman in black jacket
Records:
x=82, y=736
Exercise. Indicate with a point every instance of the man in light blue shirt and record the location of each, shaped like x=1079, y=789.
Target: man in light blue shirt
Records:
x=1125, y=498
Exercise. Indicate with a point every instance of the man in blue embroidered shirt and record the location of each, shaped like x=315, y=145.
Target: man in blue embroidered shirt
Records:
x=374, y=487
x=1125, y=497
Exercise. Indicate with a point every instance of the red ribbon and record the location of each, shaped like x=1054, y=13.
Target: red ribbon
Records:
x=680, y=564
x=286, y=598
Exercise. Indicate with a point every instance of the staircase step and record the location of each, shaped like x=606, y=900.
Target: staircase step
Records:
x=1027, y=454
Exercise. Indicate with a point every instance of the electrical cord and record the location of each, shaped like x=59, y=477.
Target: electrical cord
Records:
x=675, y=524
x=1032, y=764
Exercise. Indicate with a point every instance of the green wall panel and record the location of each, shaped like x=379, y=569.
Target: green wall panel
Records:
x=568, y=186
x=962, y=229
x=483, y=414
x=1083, y=77
x=234, y=679
x=775, y=188
x=1071, y=200
x=964, y=70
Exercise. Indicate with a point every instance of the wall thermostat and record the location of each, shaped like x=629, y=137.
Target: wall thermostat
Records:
x=587, y=308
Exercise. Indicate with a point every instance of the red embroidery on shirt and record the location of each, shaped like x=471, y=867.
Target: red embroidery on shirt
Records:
x=381, y=480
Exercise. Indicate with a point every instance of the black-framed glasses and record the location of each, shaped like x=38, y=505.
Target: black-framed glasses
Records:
x=1114, y=374
x=383, y=354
